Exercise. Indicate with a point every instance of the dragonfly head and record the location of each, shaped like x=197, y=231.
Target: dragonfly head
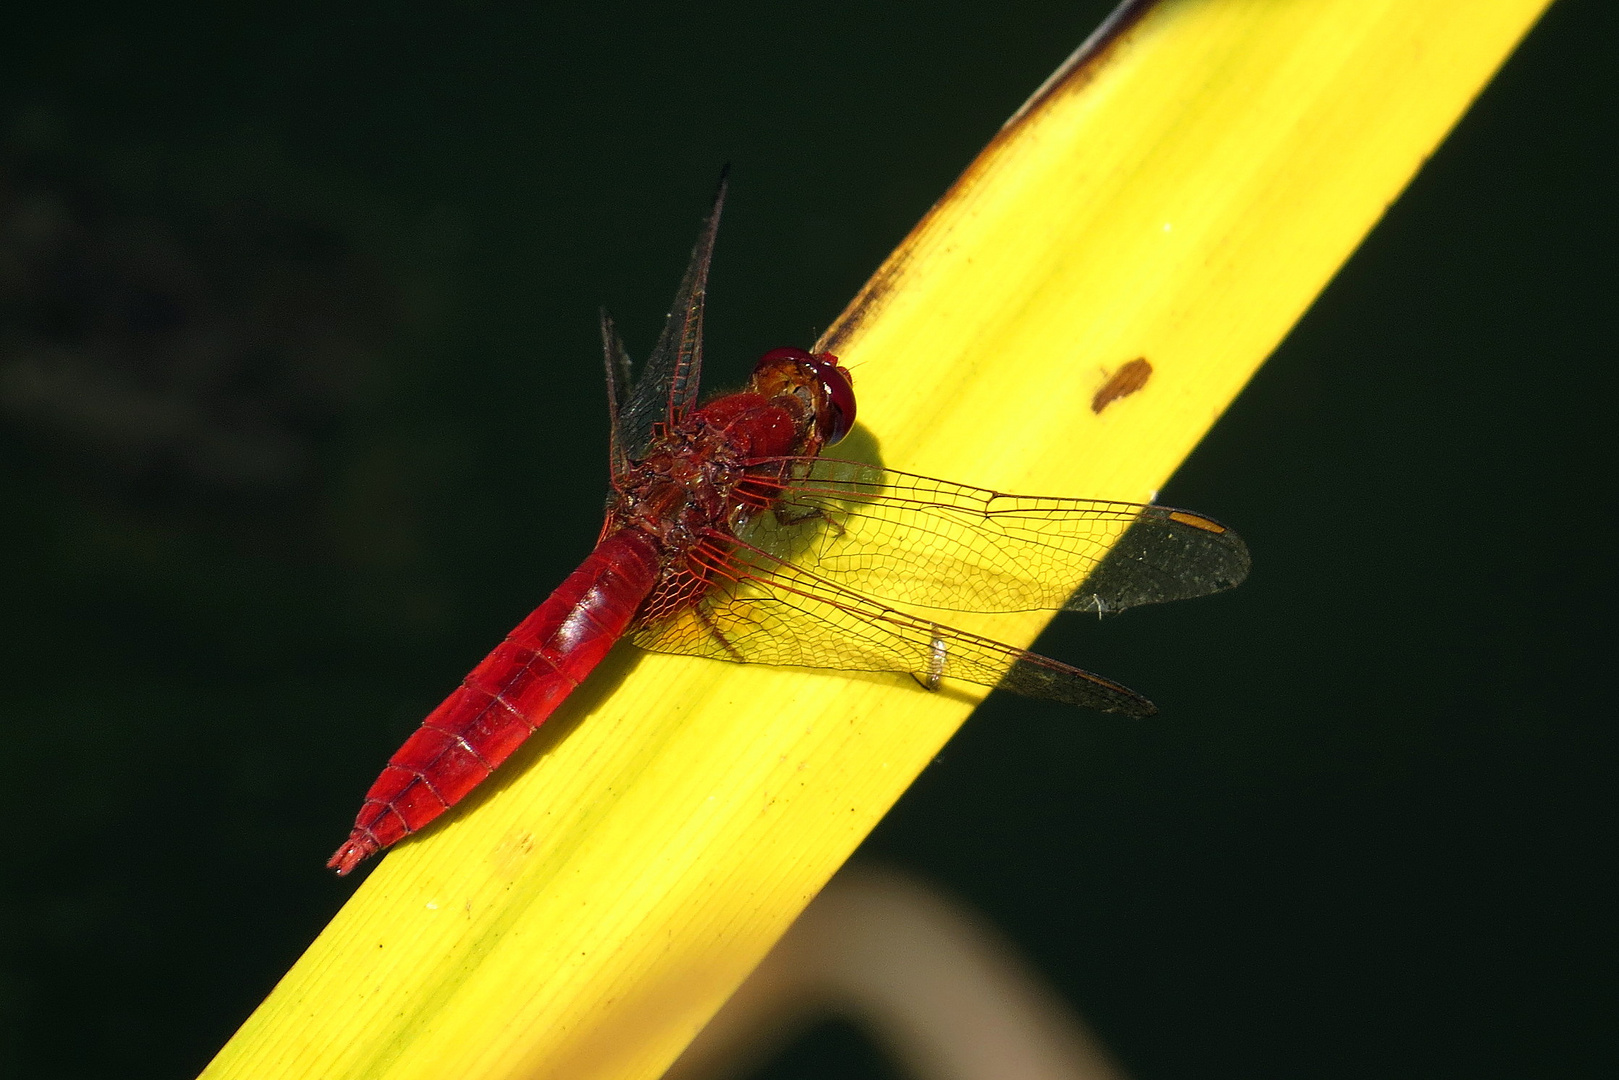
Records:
x=827, y=381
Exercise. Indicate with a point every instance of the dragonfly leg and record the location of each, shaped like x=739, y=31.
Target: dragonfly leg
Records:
x=708, y=621
x=789, y=514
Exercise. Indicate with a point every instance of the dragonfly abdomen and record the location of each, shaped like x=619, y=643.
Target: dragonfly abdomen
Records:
x=506, y=697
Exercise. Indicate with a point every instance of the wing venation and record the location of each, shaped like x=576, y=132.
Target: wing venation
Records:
x=772, y=612
x=921, y=542
x=669, y=380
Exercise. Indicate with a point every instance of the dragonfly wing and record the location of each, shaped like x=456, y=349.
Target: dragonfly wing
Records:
x=668, y=384
x=922, y=542
x=1166, y=554
x=616, y=359
x=765, y=611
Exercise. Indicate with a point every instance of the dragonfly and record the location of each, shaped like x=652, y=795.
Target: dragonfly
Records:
x=728, y=535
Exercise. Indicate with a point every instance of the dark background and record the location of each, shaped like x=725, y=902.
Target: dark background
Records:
x=300, y=411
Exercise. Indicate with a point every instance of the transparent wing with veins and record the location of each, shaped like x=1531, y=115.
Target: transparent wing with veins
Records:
x=922, y=542
x=668, y=383
x=761, y=610
x=810, y=583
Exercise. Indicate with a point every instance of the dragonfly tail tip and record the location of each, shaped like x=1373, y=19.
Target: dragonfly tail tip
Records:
x=355, y=851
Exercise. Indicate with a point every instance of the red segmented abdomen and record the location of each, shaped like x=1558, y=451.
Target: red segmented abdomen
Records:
x=507, y=696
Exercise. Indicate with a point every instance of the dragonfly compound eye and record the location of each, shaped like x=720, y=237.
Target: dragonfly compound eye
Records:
x=834, y=380
x=839, y=388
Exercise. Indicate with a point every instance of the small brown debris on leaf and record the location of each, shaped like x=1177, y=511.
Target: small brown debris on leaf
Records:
x=1122, y=383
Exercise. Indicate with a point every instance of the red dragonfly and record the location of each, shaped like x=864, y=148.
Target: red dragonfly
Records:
x=728, y=536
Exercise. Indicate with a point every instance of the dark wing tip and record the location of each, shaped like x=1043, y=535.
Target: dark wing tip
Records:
x=1036, y=676
x=1166, y=554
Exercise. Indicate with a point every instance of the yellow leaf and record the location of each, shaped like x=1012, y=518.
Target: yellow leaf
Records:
x=1179, y=195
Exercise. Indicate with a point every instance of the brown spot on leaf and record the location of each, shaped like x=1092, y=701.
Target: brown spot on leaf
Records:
x=1122, y=383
